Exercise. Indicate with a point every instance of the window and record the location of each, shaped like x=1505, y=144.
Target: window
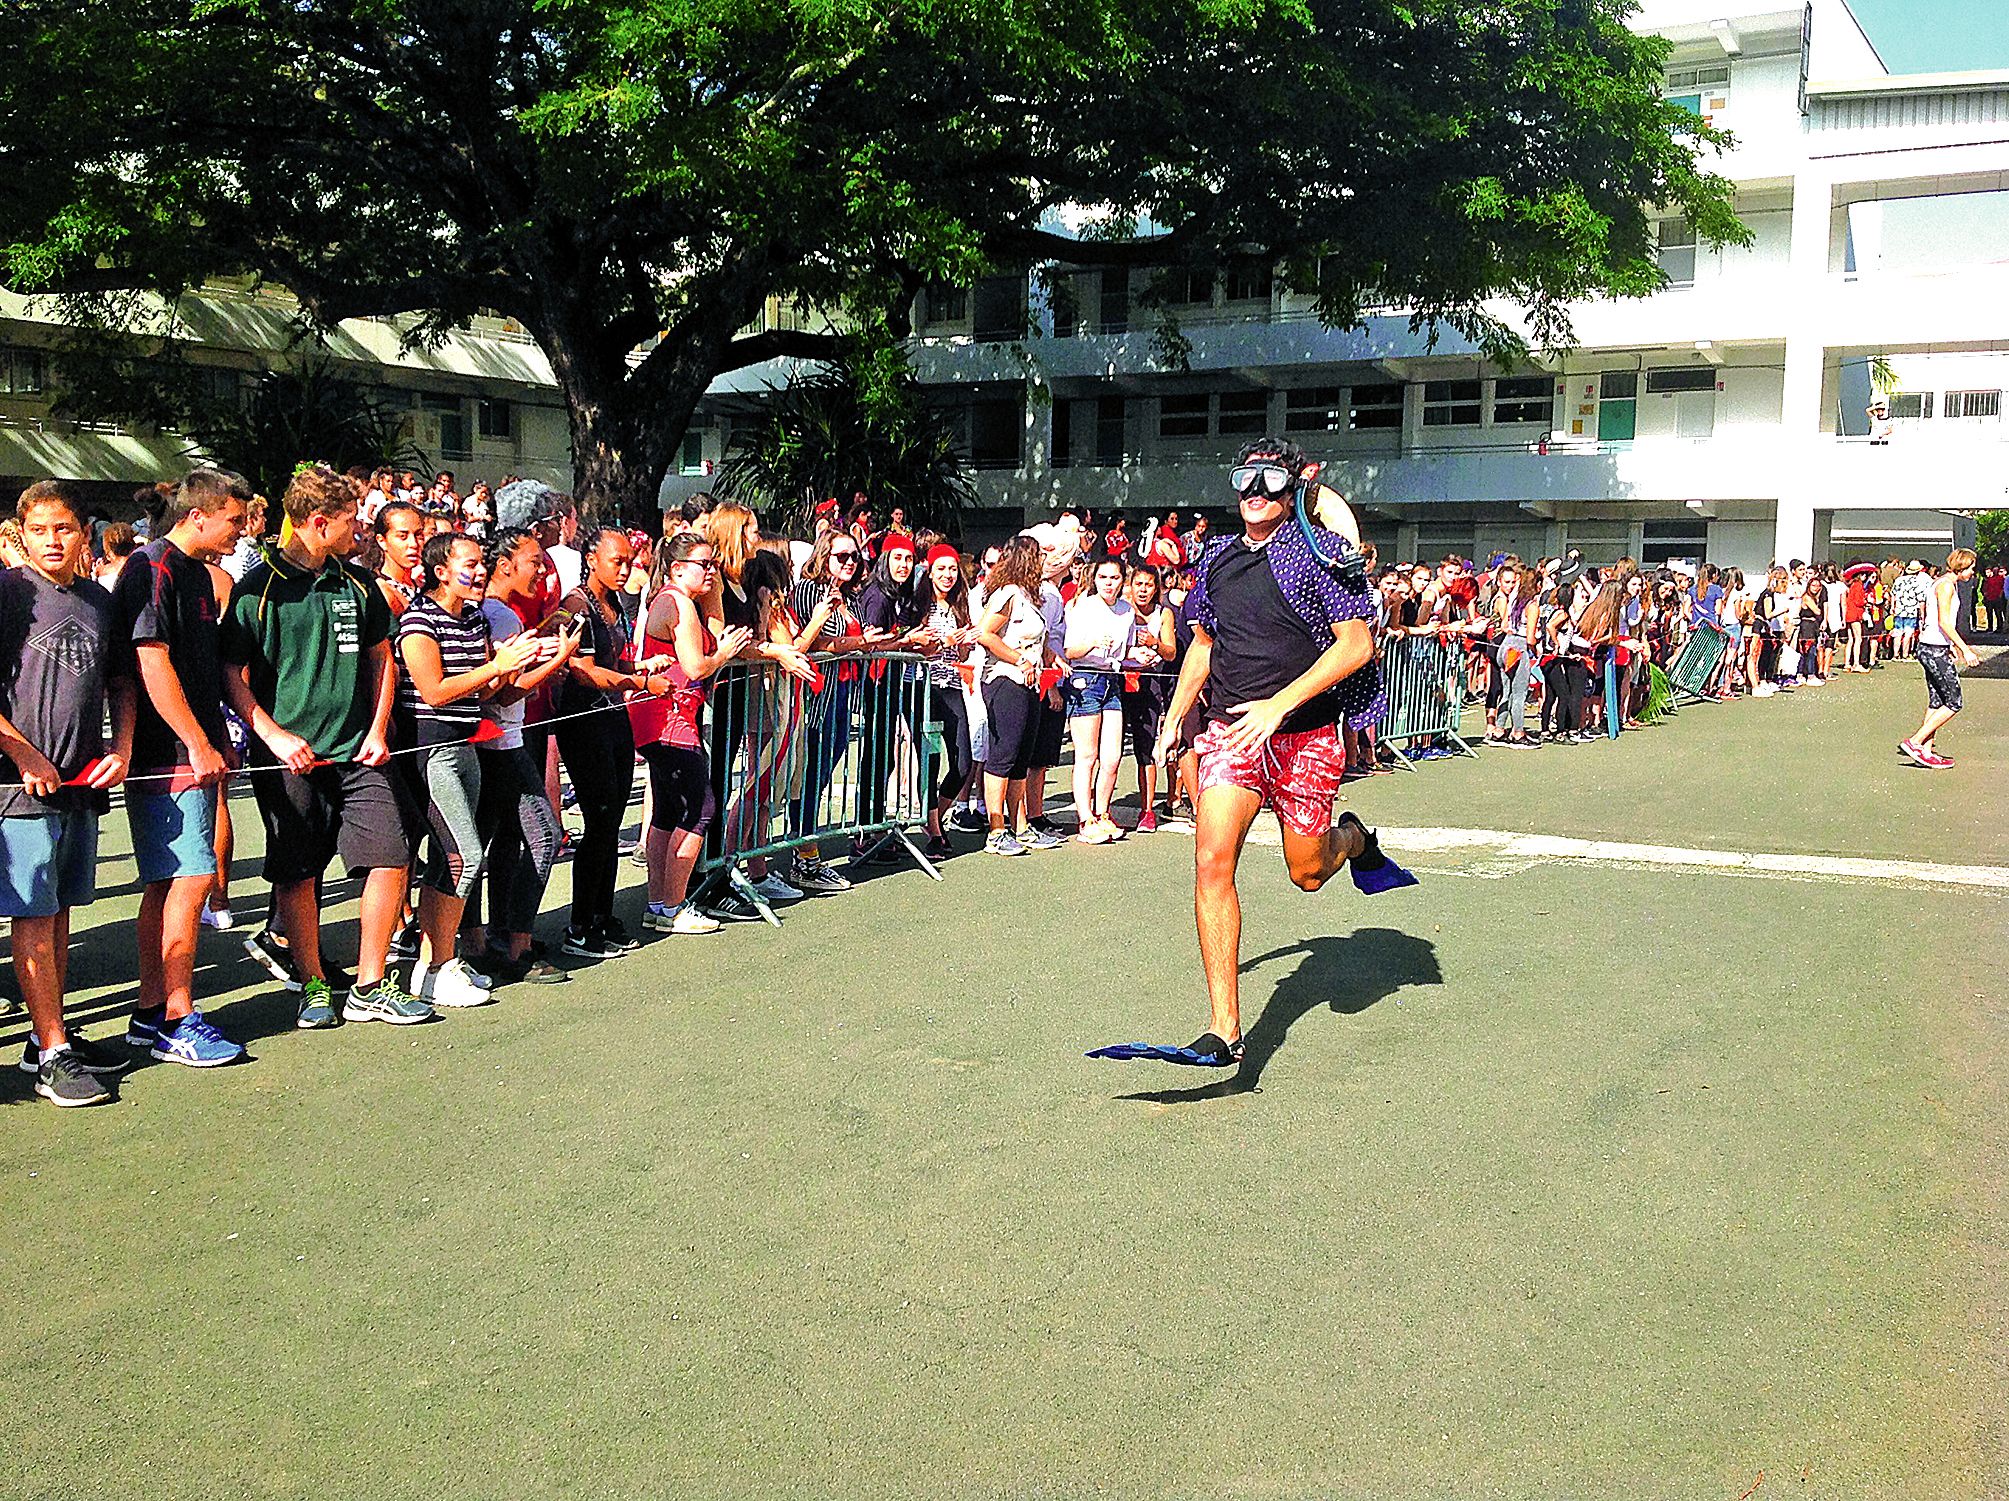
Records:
x=1523, y=398
x=1690, y=80
x=1189, y=288
x=1664, y=541
x=1182, y=416
x=1250, y=282
x=1984, y=404
x=1377, y=406
x=943, y=303
x=1910, y=406
x=1451, y=403
x=494, y=419
x=1067, y=295
x=692, y=460
x=1313, y=409
x=1244, y=414
x=1114, y=314
x=1618, y=385
x=1617, y=406
x=994, y=434
x=453, y=440
x=1677, y=251
x=1111, y=427
x=23, y=372
x=1661, y=382
x=998, y=309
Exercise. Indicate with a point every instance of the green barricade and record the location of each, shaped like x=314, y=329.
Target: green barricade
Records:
x=796, y=765
x=1424, y=677
x=1694, y=668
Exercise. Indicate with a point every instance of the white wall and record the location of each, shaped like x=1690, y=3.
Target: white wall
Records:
x=1741, y=544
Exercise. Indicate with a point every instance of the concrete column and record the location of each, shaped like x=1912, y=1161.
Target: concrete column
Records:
x=1405, y=543
x=1801, y=419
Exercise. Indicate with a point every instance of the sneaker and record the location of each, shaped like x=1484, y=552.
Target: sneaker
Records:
x=317, y=1007
x=529, y=970
x=1147, y=822
x=938, y=847
x=612, y=932
x=690, y=922
x=1092, y=832
x=63, y=1080
x=1003, y=842
x=657, y=916
x=968, y=820
x=91, y=1058
x=269, y=951
x=220, y=918
x=632, y=848
x=816, y=879
x=1114, y=830
x=775, y=889
x=731, y=907
x=583, y=943
x=451, y=986
x=1913, y=752
x=194, y=1042
x=143, y=1026
x=385, y=1002
x=1044, y=825
x=1936, y=761
x=406, y=944
x=1035, y=838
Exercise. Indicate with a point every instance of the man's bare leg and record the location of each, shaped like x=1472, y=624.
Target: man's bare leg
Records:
x=1223, y=817
x=1316, y=859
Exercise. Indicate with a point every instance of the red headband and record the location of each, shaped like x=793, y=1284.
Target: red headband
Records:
x=940, y=551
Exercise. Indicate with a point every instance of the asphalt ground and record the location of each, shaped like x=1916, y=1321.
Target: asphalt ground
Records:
x=1543, y=1179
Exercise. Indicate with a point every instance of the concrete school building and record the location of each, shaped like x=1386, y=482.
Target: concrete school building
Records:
x=1722, y=418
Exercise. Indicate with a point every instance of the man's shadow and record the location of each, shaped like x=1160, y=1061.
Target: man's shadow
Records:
x=1346, y=975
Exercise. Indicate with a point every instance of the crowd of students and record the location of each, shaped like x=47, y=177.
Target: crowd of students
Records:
x=406, y=684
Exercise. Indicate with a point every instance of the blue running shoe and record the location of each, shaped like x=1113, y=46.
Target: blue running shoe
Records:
x=192, y=1041
x=144, y=1025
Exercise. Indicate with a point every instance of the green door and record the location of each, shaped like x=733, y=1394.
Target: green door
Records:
x=1616, y=420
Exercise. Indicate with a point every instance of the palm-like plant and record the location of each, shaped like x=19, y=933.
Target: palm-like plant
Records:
x=843, y=429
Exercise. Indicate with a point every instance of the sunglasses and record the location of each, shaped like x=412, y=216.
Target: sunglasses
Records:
x=710, y=565
x=1271, y=479
x=844, y=557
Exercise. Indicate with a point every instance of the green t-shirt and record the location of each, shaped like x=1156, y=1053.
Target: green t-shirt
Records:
x=307, y=641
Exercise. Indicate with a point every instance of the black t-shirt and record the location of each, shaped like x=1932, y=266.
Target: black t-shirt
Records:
x=613, y=650
x=57, y=651
x=1270, y=650
x=164, y=598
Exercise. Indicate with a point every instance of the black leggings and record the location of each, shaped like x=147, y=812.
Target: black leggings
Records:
x=599, y=754
x=524, y=841
x=1562, y=706
x=952, y=710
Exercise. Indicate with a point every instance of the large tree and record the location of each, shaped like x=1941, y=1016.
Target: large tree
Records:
x=631, y=179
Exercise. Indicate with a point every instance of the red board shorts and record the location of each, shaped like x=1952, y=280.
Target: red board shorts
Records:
x=1297, y=775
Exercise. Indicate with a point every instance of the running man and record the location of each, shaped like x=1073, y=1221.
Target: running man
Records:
x=1941, y=651
x=1283, y=644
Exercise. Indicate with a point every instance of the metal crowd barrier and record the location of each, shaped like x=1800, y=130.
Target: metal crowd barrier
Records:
x=794, y=765
x=1424, y=677
x=1695, y=667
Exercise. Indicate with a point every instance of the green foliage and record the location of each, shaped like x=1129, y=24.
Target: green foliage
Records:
x=1991, y=536
x=627, y=176
x=848, y=427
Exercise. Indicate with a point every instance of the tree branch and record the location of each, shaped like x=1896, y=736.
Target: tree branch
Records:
x=778, y=344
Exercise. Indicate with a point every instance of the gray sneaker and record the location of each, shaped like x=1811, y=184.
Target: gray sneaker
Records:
x=1038, y=839
x=1003, y=842
x=317, y=1006
x=385, y=1001
x=63, y=1080
x=816, y=879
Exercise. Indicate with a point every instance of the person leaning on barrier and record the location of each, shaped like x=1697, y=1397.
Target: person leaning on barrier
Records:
x=57, y=639
x=307, y=666
x=169, y=621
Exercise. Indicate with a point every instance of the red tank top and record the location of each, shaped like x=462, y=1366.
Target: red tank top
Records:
x=674, y=718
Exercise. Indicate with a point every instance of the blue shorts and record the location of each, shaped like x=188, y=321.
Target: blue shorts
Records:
x=1905, y=623
x=1090, y=693
x=174, y=833
x=48, y=861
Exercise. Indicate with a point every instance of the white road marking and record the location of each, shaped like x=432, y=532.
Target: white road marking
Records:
x=1498, y=853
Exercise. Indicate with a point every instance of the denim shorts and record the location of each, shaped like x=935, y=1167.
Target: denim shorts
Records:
x=1905, y=623
x=48, y=861
x=1088, y=693
x=174, y=833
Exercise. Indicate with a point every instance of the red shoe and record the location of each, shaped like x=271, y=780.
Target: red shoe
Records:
x=1935, y=760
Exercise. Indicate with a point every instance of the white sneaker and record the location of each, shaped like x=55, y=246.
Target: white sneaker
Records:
x=453, y=986
x=687, y=919
x=775, y=889
x=220, y=918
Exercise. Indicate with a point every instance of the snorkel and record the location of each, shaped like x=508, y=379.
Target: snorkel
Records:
x=1320, y=511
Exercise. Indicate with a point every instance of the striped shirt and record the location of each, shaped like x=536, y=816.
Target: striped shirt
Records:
x=463, y=646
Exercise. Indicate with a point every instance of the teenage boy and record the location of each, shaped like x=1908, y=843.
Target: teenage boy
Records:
x=168, y=619
x=307, y=665
x=58, y=666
